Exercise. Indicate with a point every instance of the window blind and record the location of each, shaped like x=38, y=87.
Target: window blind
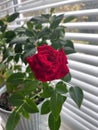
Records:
x=83, y=64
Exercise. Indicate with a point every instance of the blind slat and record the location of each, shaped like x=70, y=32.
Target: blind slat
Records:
x=88, y=12
x=4, y=2
x=80, y=116
x=87, y=49
x=34, y=3
x=85, y=78
x=91, y=98
x=71, y=121
x=84, y=109
x=82, y=37
x=90, y=105
x=85, y=58
x=82, y=67
x=82, y=25
x=85, y=123
x=56, y=4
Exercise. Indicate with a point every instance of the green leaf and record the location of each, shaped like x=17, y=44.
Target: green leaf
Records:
x=76, y=94
x=30, y=52
x=39, y=19
x=19, y=40
x=56, y=103
x=16, y=78
x=56, y=43
x=54, y=124
x=12, y=17
x=55, y=20
x=29, y=86
x=18, y=48
x=29, y=33
x=46, y=16
x=12, y=121
x=1, y=23
x=11, y=87
x=8, y=73
x=69, y=47
x=56, y=37
x=45, y=107
x=29, y=25
x=30, y=106
x=17, y=67
x=61, y=88
x=10, y=58
x=25, y=114
x=20, y=30
x=52, y=10
x=67, y=78
x=38, y=27
x=5, y=54
x=16, y=58
x=68, y=19
x=3, y=28
x=9, y=35
x=1, y=81
x=57, y=34
x=16, y=99
x=47, y=91
x=2, y=66
x=44, y=33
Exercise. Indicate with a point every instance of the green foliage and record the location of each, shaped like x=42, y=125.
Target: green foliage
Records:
x=47, y=91
x=16, y=99
x=55, y=21
x=8, y=73
x=18, y=48
x=67, y=78
x=2, y=26
x=13, y=120
x=1, y=23
x=4, y=74
x=54, y=124
x=56, y=103
x=61, y=88
x=25, y=114
x=30, y=106
x=9, y=35
x=45, y=107
x=25, y=92
x=18, y=40
x=16, y=78
x=14, y=81
x=2, y=67
x=68, y=47
x=68, y=19
x=11, y=18
x=77, y=95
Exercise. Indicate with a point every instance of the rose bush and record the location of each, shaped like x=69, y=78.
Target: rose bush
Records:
x=40, y=45
x=48, y=64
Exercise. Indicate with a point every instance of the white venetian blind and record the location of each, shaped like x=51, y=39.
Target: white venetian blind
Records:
x=83, y=64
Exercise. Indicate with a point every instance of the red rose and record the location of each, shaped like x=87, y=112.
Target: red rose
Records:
x=48, y=64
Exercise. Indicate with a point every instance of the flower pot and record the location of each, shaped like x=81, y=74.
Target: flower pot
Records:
x=36, y=121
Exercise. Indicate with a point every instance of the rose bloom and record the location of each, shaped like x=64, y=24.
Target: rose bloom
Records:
x=48, y=64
